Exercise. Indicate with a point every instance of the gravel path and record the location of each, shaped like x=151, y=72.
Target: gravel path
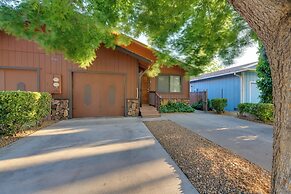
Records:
x=209, y=167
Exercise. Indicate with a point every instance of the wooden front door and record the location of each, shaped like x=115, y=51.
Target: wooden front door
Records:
x=145, y=88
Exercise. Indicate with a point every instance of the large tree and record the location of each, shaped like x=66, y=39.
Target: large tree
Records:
x=195, y=31
x=271, y=20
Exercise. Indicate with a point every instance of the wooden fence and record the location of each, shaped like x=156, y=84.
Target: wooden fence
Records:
x=199, y=96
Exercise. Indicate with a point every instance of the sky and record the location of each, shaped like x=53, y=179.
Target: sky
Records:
x=248, y=56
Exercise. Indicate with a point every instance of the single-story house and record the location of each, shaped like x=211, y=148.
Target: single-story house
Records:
x=114, y=85
x=236, y=84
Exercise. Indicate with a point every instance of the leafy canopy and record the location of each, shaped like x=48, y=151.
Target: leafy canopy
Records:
x=193, y=31
x=265, y=79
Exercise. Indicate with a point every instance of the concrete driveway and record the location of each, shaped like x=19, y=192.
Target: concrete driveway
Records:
x=250, y=140
x=90, y=156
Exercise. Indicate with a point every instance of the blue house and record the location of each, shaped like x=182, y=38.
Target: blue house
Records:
x=236, y=84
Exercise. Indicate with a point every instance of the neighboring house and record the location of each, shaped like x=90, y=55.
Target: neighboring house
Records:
x=115, y=84
x=237, y=84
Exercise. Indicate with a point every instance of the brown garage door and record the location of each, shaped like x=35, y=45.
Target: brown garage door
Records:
x=96, y=95
x=25, y=80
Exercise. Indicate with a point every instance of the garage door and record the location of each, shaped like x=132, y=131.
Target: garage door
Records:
x=25, y=80
x=96, y=95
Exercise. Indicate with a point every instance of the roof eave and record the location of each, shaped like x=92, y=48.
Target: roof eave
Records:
x=221, y=75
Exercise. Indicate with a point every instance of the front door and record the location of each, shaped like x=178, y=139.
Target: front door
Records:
x=145, y=87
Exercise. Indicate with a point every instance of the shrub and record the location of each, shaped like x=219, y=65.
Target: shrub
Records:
x=19, y=108
x=262, y=111
x=245, y=108
x=176, y=107
x=199, y=105
x=218, y=104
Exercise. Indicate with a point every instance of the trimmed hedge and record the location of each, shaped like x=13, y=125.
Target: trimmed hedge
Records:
x=262, y=111
x=218, y=104
x=176, y=107
x=18, y=108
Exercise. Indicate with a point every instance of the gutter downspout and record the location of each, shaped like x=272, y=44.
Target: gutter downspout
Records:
x=241, y=86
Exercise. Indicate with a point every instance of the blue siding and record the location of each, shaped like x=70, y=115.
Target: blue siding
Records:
x=250, y=91
x=221, y=87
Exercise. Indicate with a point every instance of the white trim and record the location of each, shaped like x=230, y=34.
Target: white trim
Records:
x=251, y=82
x=220, y=75
x=243, y=87
x=241, y=84
x=243, y=69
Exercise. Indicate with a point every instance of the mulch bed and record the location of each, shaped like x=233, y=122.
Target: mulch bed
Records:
x=6, y=140
x=209, y=167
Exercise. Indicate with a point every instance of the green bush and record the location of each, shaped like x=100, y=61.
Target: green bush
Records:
x=245, y=108
x=199, y=105
x=19, y=108
x=176, y=107
x=262, y=111
x=218, y=104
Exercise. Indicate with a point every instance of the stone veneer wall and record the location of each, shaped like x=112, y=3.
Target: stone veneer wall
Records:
x=132, y=107
x=165, y=101
x=60, y=110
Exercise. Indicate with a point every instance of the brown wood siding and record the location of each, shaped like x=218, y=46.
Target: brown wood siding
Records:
x=97, y=94
x=23, y=55
x=17, y=53
x=16, y=79
x=172, y=71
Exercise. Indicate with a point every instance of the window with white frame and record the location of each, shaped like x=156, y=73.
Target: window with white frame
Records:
x=169, y=83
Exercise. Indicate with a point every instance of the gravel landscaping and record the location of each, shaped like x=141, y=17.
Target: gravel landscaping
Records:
x=209, y=167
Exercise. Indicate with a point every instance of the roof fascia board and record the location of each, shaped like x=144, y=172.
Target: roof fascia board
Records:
x=220, y=75
x=137, y=56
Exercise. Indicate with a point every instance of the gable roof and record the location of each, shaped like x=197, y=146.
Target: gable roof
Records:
x=227, y=71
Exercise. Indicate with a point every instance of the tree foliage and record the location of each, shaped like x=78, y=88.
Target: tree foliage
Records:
x=192, y=31
x=265, y=79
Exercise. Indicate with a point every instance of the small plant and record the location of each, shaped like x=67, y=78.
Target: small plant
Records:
x=176, y=107
x=245, y=107
x=262, y=111
x=218, y=104
x=199, y=105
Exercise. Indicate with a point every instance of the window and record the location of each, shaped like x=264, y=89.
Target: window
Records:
x=169, y=83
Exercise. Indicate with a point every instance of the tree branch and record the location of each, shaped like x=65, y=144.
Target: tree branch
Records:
x=264, y=16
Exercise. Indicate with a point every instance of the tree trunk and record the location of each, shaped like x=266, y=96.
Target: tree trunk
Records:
x=271, y=20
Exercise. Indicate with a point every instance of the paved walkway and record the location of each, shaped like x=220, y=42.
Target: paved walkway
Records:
x=90, y=156
x=251, y=140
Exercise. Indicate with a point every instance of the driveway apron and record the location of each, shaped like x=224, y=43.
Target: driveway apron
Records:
x=117, y=155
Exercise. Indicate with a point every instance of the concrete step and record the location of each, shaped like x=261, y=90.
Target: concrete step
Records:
x=149, y=111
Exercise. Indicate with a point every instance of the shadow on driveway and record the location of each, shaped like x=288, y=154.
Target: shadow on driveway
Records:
x=90, y=156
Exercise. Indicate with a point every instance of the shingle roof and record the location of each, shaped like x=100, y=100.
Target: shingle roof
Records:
x=227, y=71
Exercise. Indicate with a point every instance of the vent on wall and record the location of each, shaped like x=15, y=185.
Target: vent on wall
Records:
x=21, y=86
